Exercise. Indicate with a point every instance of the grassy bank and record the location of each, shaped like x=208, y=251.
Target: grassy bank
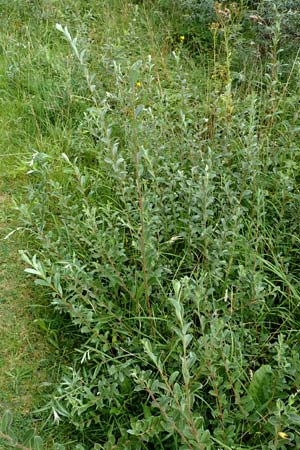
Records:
x=156, y=182
x=24, y=366
x=29, y=358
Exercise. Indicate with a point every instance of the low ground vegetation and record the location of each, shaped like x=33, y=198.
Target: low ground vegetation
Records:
x=162, y=211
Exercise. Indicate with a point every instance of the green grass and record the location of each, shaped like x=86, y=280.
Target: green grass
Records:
x=154, y=187
x=23, y=349
x=27, y=362
x=24, y=365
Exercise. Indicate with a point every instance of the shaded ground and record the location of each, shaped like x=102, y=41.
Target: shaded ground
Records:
x=22, y=349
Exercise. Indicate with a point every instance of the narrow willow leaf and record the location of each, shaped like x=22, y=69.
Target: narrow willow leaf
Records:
x=27, y=438
x=148, y=349
x=33, y=271
x=178, y=310
x=261, y=386
x=6, y=422
x=37, y=443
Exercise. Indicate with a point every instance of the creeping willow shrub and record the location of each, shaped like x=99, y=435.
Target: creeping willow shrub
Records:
x=153, y=234
x=252, y=25
x=289, y=13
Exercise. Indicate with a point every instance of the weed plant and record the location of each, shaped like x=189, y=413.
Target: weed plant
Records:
x=167, y=233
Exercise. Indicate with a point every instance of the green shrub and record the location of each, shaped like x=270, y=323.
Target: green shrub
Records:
x=160, y=235
x=256, y=29
x=281, y=19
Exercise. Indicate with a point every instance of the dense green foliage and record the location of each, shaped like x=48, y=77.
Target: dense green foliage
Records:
x=165, y=228
x=258, y=21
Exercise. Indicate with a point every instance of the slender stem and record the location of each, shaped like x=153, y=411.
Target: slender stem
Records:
x=11, y=440
x=164, y=413
x=142, y=219
x=143, y=252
